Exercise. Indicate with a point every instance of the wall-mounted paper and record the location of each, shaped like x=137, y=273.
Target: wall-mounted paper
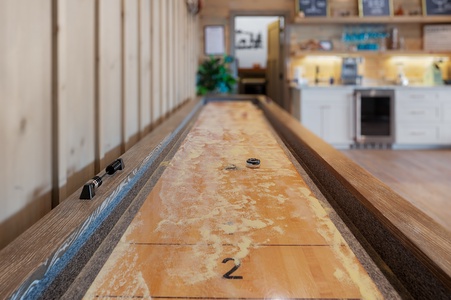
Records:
x=214, y=40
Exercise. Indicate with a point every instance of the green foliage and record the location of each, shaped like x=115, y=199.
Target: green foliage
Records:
x=214, y=76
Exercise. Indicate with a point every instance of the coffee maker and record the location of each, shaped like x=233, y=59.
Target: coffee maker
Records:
x=350, y=71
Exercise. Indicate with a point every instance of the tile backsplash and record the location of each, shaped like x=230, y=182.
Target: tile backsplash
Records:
x=374, y=69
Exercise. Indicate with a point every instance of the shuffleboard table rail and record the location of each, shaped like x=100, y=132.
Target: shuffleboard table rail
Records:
x=411, y=248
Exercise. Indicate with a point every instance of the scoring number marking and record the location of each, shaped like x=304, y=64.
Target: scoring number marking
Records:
x=235, y=267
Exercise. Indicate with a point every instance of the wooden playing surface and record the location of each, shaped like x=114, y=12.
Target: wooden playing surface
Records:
x=208, y=207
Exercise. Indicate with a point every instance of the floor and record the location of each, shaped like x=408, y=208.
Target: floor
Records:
x=423, y=177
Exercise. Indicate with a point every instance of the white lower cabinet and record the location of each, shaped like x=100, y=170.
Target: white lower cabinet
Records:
x=417, y=134
x=445, y=134
x=423, y=116
x=327, y=112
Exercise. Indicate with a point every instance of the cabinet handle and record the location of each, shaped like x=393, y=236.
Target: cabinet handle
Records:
x=417, y=133
x=358, y=125
x=417, y=112
x=417, y=96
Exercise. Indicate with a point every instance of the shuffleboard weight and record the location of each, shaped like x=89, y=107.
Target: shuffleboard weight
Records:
x=89, y=189
x=253, y=163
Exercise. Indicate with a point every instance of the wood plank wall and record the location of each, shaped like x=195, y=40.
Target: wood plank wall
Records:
x=25, y=114
x=81, y=81
x=216, y=12
x=338, y=6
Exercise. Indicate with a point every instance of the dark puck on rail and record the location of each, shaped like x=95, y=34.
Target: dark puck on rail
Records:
x=253, y=163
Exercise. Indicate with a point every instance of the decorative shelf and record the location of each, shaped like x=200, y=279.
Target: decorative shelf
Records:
x=372, y=20
x=298, y=54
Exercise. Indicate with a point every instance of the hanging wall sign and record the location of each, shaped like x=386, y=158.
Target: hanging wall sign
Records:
x=437, y=7
x=312, y=8
x=375, y=8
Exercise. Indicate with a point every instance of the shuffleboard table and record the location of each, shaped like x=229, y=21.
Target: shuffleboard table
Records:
x=233, y=199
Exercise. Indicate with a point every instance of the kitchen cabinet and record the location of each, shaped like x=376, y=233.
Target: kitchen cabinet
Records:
x=423, y=116
x=327, y=112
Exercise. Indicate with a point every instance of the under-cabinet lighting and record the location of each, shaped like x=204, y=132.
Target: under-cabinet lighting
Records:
x=322, y=59
x=418, y=60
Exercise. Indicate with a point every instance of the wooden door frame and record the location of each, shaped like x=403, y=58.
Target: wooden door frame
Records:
x=286, y=39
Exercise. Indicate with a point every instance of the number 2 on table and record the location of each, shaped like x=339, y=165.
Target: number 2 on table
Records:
x=235, y=267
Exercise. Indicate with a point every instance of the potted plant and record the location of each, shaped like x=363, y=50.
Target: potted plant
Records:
x=214, y=76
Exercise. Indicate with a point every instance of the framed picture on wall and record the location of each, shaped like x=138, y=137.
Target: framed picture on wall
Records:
x=375, y=8
x=312, y=8
x=436, y=7
x=214, y=40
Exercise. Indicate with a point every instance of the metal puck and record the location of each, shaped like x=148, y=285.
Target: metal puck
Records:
x=253, y=163
x=231, y=167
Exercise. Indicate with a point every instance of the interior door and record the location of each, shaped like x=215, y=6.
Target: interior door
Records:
x=274, y=66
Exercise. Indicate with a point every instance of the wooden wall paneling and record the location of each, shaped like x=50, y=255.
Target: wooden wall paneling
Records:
x=145, y=78
x=183, y=29
x=179, y=61
x=175, y=69
x=170, y=61
x=184, y=53
x=164, y=57
x=218, y=13
x=339, y=6
x=59, y=102
x=25, y=123
x=189, y=51
x=151, y=65
x=156, y=62
x=76, y=103
x=191, y=56
x=336, y=7
x=131, y=79
x=194, y=53
x=110, y=76
x=177, y=55
x=171, y=58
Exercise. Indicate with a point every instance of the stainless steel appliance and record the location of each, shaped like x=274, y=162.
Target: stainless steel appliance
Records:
x=350, y=71
x=374, y=117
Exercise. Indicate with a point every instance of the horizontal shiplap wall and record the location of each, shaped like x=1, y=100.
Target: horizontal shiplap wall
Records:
x=81, y=81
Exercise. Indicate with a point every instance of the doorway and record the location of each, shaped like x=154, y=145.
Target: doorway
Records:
x=250, y=42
